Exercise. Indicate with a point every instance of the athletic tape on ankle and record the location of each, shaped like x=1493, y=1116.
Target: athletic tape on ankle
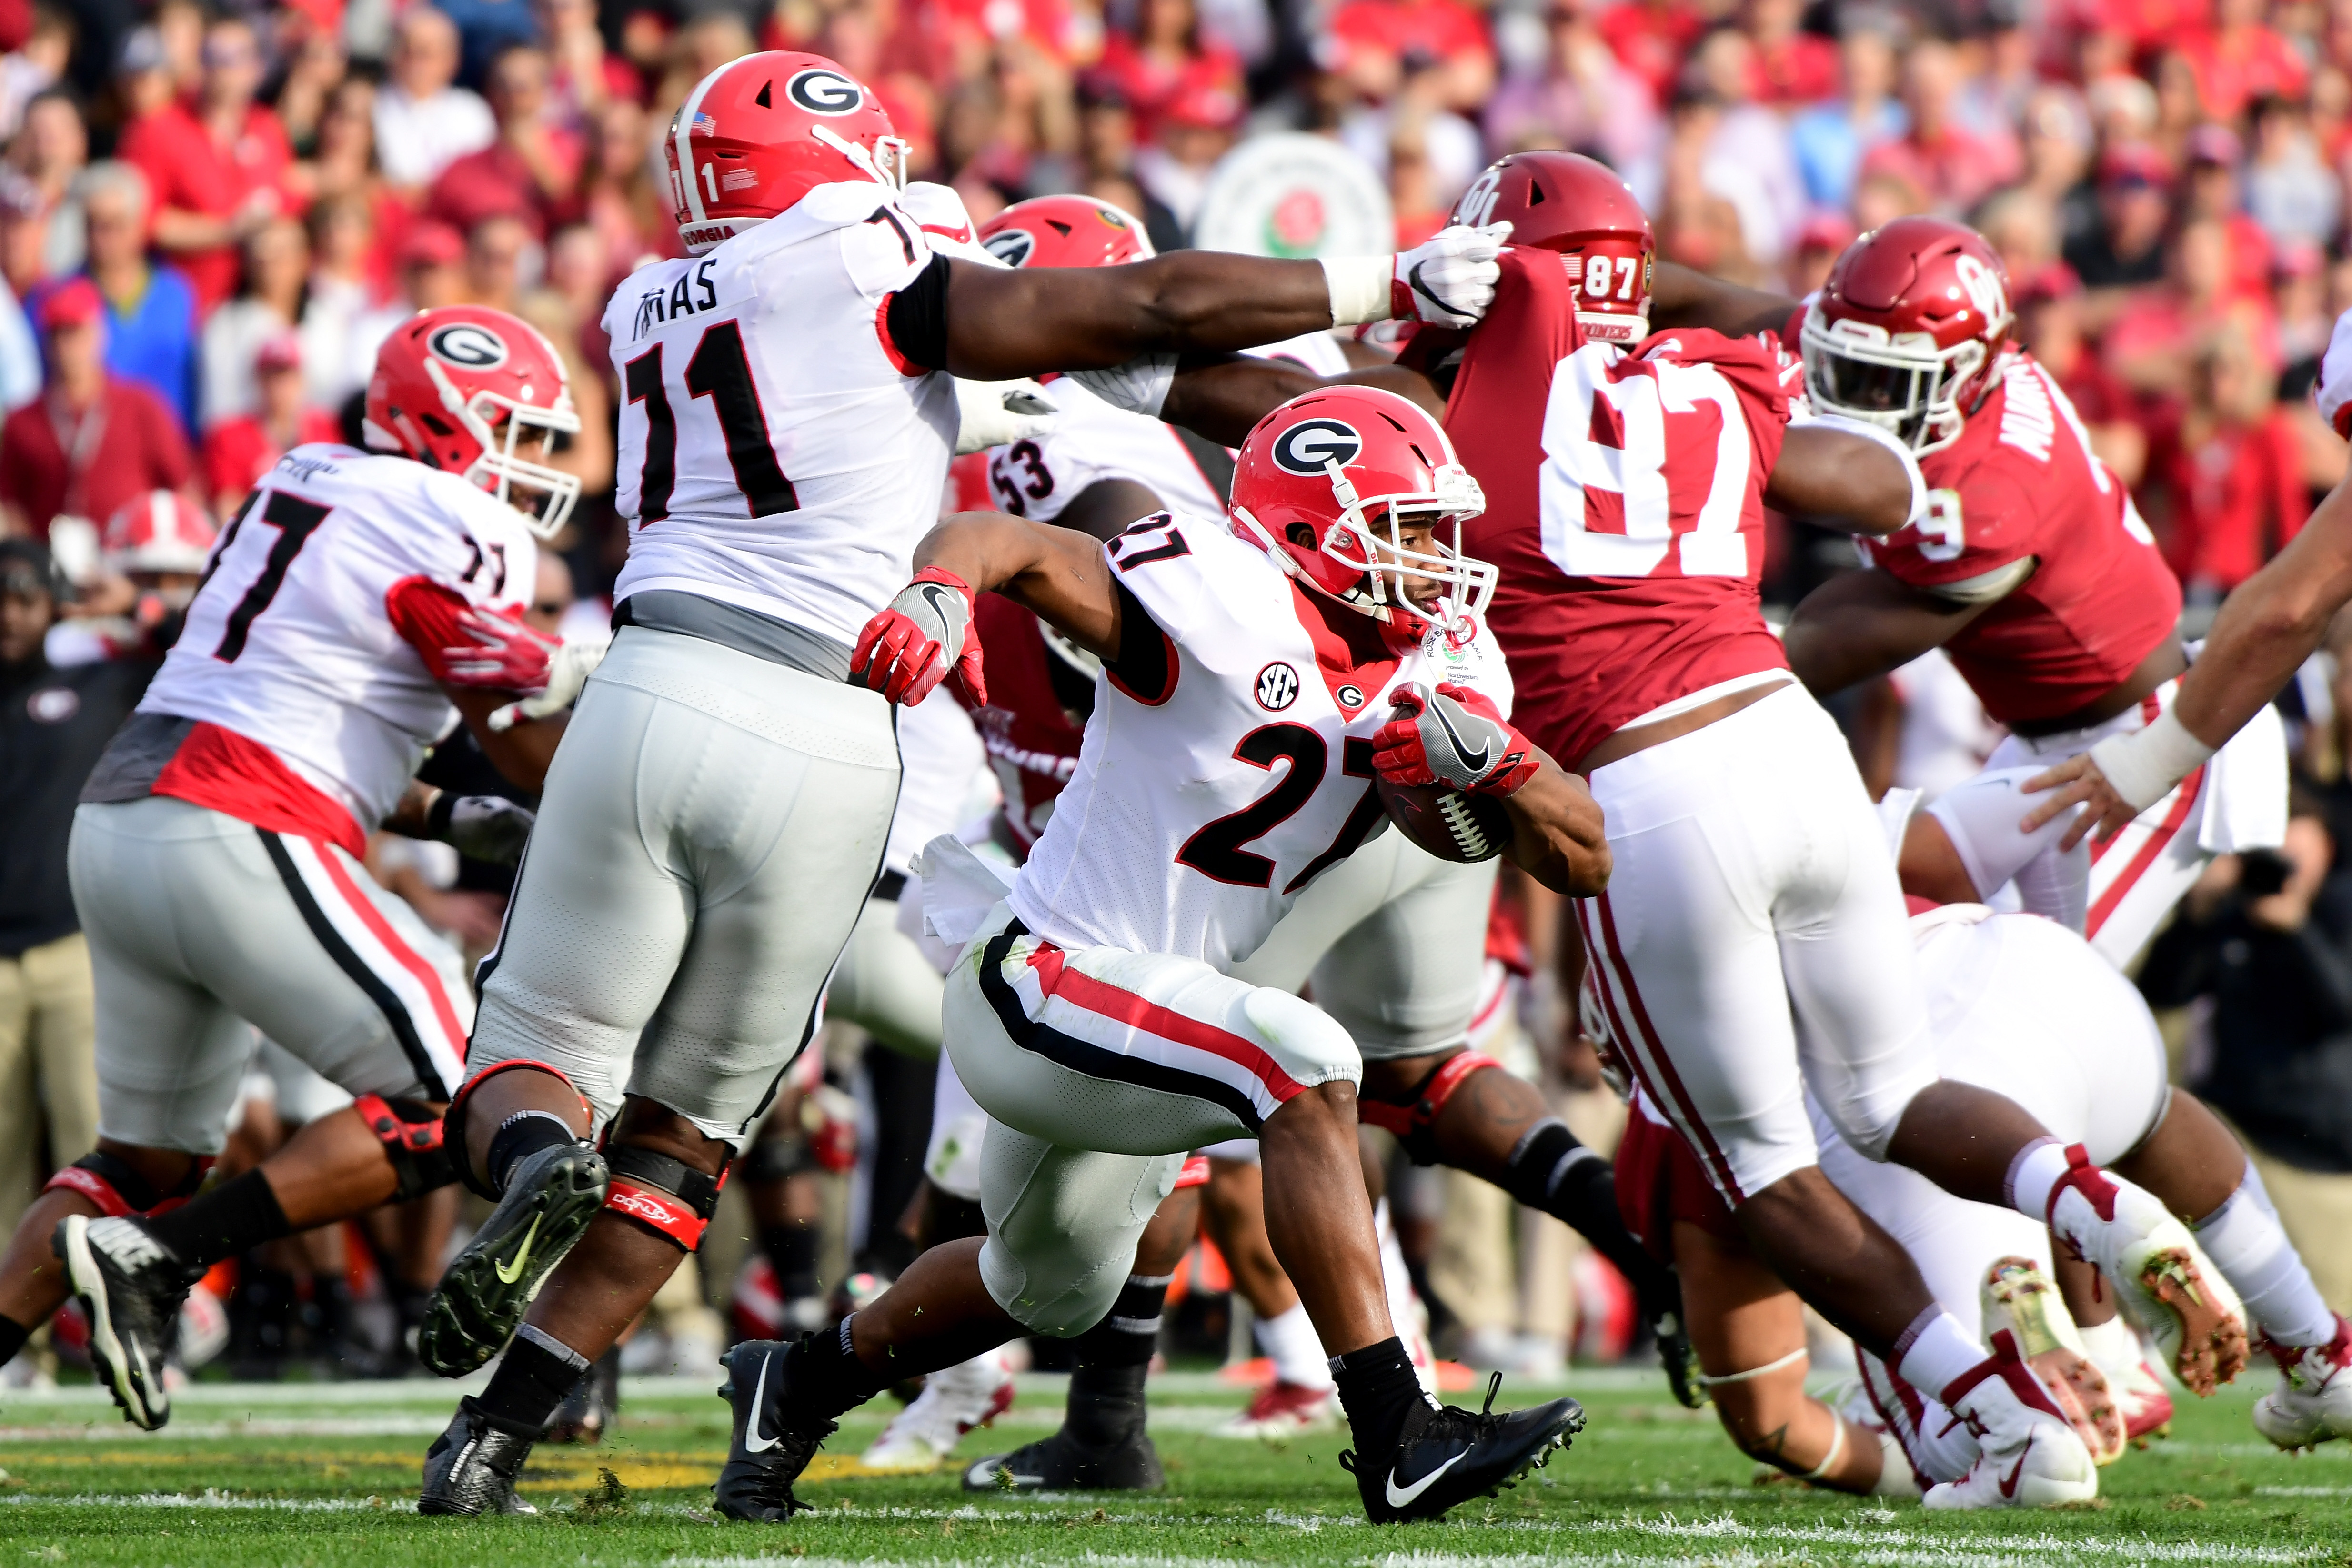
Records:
x=1791, y=1359
x=666, y=1196
x=551, y=1345
x=1837, y=1447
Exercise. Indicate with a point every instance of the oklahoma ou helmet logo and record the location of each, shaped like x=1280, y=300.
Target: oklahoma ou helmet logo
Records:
x=1307, y=447
x=1478, y=203
x=1011, y=245
x=1983, y=286
x=470, y=344
x=825, y=92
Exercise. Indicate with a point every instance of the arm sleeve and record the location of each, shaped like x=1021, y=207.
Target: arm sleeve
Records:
x=914, y=320
x=425, y=614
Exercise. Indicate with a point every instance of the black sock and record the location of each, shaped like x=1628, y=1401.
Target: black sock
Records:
x=233, y=1218
x=13, y=1335
x=1105, y=1403
x=835, y=1378
x=791, y=1253
x=521, y=1136
x=537, y=1374
x=1382, y=1398
x=408, y=1304
x=1551, y=1171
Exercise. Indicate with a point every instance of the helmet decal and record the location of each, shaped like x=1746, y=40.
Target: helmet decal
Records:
x=822, y=91
x=1478, y=204
x=1983, y=286
x=470, y=344
x=1307, y=446
x=1011, y=245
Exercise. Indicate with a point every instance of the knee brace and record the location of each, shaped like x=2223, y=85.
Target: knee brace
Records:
x=1415, y=1121
x=121, y=1192
x=668, y=1198
x=411, y=1134
x=453, y=1121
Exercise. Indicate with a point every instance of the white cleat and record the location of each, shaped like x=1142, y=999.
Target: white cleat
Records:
x=2312, y=1402
x=1284, y=1410
x=2145, y=1403
x=2157, y=1266
x=953, y=1401
x=2016, y=1295
x=2030, y=1455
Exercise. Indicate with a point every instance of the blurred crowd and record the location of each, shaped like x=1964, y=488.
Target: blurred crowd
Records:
x=210, y=217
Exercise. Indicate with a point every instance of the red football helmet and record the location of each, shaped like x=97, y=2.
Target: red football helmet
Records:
x=1569, y=203
x=161, y=531
x=1065, y=231
x=1325, y=485
x=444, y=382
x=1909, y=330
x=756, y=135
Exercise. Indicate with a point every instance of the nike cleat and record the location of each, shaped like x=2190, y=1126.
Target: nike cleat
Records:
x=1449, y=1455
x=130, y=1287
x=2157, y=1266
x=1062, y=1464
x=2016, y=1295
x=2312, y=1402
x=2030, y=1455
x=472, y=1467
x=771, y=1446
x=1680, y=1361
x=1282, y=1410
x=480, y=1301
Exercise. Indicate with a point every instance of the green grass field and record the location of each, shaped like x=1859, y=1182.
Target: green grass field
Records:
x=326, y=1475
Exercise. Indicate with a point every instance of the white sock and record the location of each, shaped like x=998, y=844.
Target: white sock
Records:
x=1934, y=1351
x=2247, y=1243
x=1289, y=1341
x=2112, y=1346
x=2032, y=1176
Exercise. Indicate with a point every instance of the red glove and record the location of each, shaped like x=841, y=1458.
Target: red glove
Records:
x=498, y=653
x=1453, y=736
x=903, y=653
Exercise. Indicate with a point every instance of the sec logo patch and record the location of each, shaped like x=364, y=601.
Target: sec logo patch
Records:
x=1277, y=687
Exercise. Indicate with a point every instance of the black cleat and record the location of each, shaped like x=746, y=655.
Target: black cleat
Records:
x=1062, y=1464
x=1674, y=1353
x=480, y=1301
x=1452, y=1456
x=472, y=1467
x=771, y=1448
x=130, y=1286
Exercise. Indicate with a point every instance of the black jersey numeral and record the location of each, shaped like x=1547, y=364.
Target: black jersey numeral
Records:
x=1217, y=849
x=721, y=370
x=294, y=519
x=642, y=380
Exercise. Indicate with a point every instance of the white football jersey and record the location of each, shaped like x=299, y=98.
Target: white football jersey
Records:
x=289, y=641
x=773, y=453
x=1091, y=440
x=1199, y=812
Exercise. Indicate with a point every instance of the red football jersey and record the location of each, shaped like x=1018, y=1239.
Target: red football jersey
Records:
x=1624, y=504
x=1032, y=743
x=2022, y=481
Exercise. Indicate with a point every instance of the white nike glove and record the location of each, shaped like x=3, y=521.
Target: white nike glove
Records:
x=480, y=827
x=1139, y=386
x=2334, y=389
x=1449, y=281
x=567, y=669
x=998, y=413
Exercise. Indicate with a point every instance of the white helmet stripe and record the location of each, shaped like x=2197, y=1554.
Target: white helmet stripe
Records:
x=687, y=111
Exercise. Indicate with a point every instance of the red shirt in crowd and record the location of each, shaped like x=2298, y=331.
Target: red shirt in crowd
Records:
x=1798, y=69
x=497, y=183
x=52, y=464
x=2234, y=66
x=1440, y=29
x=238, y=451
x=187, y=172
x=1952, y=171
x=1651, y=40
x=2237, y=496
x=1151, y=85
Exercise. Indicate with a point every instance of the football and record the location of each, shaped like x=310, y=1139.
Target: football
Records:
x=1448, y=823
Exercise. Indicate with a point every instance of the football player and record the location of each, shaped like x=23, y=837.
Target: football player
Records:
x=351, y=610
x=1750, y=943
x=1249, y=674
x=2031, y=568
x=789, y=410
x=2024, y=1003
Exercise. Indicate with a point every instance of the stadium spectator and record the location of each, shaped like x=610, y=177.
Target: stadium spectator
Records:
x=2049, y=305
x=497, y=252
x=2241, y=58
x=1166, y=56
x=1376, y=44
x=34, y=66
x=424, y=123
x=1583, y=97
x=2289, y=190
x=486, y=29
x=2135, y=204
x=151, y=311
x=1829, y=140
x=92, y=441
x=1651, y=38
x=1196, y=127
x=618, y=195
x=1790, y=67
x=587, y=77
x=50, y=150
x=53, y=725
x=1745, y=158
x=2230, y=468
x=239, y=449
x=532, y=170
x=216, y=164
x=277, y=270
x=1951, y=166
x=346, y=283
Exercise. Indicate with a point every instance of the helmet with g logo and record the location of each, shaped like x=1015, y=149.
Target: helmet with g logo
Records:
x=1909, y=332
x=1578, y=207
x=759, y=133
x=1326, y=485
x=1065, y=231
x=479, y=393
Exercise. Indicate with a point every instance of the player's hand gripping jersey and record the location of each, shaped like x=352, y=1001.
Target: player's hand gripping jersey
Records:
x=1228, y=761
x=320, y=633
x=2021, y=486
x=776, y=453
x=1624, y=504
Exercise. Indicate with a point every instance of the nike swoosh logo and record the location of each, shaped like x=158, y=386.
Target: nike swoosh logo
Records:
x=1401, y=1498
x=508, y=1273
x=1475, y=764
x=2009, y=1481
x=752, y=1442
x=1413, y=280
x=937, y=598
